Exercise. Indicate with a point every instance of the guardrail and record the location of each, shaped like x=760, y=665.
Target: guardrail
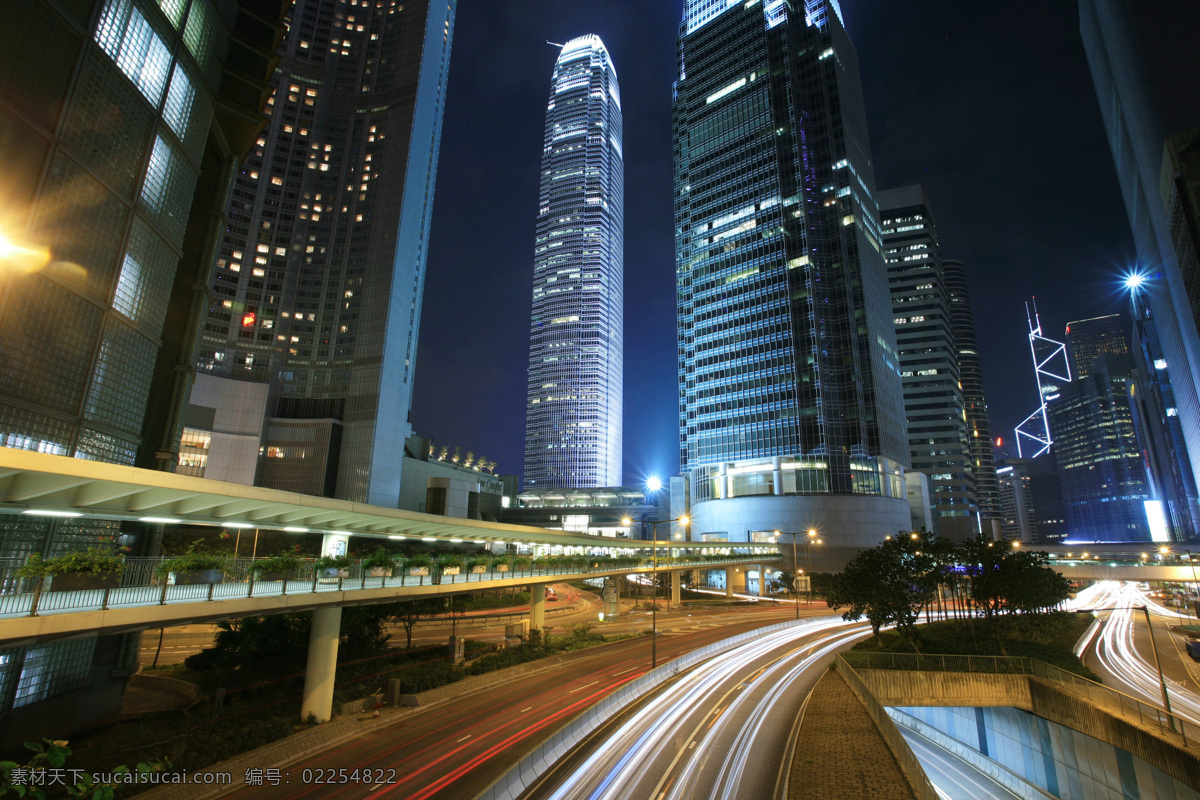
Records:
x=526, y=771
x=139, y=585
x=918, y=781
x=1170, y=726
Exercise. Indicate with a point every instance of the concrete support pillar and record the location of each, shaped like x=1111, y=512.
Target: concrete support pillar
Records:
x=537, y=606
x=721, y=481
x=676, y=587
x=322, y=664
x=762, y=581
x=777, y=474
x=729, y=575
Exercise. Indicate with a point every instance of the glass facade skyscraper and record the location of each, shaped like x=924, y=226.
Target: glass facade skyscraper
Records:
x=573, y=406
x=970, y=375
x=938, y=436
x=320, y=272
x=121, y=122
x=791, y=412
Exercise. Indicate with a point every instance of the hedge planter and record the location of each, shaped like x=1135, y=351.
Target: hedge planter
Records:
x=418, y=571
x=198, y=576
x=503, y=568
x=452, y=570
x=333, y=573
x=381, y=572
x=274, y=575
x=478, y=569
x=74, y=582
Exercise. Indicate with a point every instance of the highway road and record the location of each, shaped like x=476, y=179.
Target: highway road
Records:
x=720, y=730
x=1121, y=652
x=454, y=750
x=952, y=777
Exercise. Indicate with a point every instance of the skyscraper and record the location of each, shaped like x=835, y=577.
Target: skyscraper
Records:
x=1146, y=71
x=933, y=399
x=121, y=123
x=791, y=411
x=320, y=272
x=573, y=406
x=970, y=375
x=1105, y=485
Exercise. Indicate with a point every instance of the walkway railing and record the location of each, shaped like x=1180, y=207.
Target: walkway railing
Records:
x=1148, y=715
x=139, y=584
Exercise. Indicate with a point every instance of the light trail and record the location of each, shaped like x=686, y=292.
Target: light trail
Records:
x=618, y=766
x=1118, y=654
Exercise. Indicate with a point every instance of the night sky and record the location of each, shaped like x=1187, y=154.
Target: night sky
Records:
x=994, y=113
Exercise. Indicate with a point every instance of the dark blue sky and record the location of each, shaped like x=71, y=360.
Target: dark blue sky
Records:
x=993, y=112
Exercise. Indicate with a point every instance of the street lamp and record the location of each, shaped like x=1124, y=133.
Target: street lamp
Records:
x=682, y=520
x=808, y=542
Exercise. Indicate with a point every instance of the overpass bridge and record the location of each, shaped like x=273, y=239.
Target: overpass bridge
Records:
x=59, y=489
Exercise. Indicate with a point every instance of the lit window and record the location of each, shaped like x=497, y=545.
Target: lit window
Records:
x=125, y=34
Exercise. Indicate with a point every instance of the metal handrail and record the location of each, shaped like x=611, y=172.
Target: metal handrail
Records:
x=1170, y=725
x=139, y=585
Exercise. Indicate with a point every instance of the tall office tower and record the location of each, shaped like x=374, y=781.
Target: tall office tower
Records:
x=573, y=406
x=1090, y=338
x=933, y=403
x=970, y=375
x=791, y=408
x=319, y=275
x=1104, y=482
x=120, y=125
x=1016, y=501
x=1154, y=408
x=1146, y=70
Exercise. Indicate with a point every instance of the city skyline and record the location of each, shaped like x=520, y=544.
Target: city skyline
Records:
x=464, y=392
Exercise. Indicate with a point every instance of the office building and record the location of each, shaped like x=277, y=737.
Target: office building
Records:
x=938, y=437
x=1105, y=486
x=791, y=408
x=1090, y=338
x=1016, y=501
x=319, y=275
x=1146, y=71
x=121, y=122
x=573, y=405
x=970, y=375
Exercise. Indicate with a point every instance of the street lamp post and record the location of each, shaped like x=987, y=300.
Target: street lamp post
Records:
x=683, y=520
x=795, y=564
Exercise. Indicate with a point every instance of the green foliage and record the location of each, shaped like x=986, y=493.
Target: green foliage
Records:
x=894, y=582
x=889, y=585
x=334, y=562
x=283, y=563
x=418, y=561
x=194, y=559
x=450, y=560
x=92, y=561
x=16, y=780
x=382, y=558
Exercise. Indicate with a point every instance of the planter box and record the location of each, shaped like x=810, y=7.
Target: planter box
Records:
x=381, y=572
x=74, y=581
x=197, y=576
x=418, y=570
x=478, y=569
x=503, y=568
x=333, y=572
x=274, y=575
x=451, y=570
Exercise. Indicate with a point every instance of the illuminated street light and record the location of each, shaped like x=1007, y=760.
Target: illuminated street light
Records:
x=654, y=483
x=26, y=259
x=1134, y=281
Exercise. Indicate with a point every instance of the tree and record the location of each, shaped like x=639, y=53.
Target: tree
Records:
x=889, y=585
x=411, y=612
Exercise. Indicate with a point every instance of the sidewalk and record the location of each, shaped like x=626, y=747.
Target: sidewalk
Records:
x=840, y=753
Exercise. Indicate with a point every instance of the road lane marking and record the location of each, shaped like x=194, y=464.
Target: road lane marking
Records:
x=580, y=688
x=622, y=672
x=468, y=736
x=523, y=710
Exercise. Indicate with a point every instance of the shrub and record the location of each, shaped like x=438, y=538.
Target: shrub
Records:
x=92, y=561
x=192, y=561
